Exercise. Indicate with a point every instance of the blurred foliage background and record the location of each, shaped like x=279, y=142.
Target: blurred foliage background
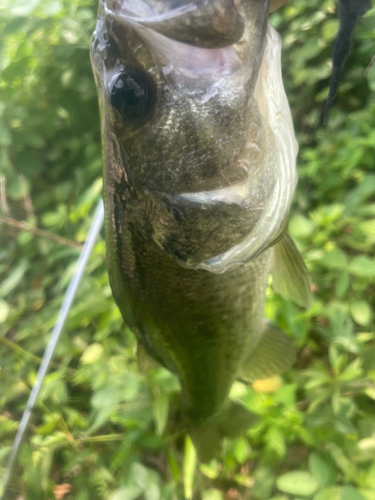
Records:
x=101, y=430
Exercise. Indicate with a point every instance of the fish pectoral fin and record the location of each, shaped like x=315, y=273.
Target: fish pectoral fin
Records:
x=207, y=436
x=273, y=355
x=290, y=276
x=145, y=361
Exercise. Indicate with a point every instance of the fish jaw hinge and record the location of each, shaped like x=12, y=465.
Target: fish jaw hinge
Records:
x=350, y=11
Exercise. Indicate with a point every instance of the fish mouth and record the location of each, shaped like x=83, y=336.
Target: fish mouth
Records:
x=197, y=36
x=202, y=23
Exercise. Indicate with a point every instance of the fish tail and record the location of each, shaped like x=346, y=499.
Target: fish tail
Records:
x=207, y=435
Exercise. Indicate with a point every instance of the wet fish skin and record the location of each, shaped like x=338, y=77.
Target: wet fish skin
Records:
x=199, y=325
x=187, y=182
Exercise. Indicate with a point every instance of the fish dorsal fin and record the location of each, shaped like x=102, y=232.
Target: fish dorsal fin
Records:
x=290, y=276
x=274, y=354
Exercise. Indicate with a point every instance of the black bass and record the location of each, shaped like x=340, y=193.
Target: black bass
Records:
x=199, y=174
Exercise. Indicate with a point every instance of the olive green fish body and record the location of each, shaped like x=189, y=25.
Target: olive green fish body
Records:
x=199, y=325
x=199, y=172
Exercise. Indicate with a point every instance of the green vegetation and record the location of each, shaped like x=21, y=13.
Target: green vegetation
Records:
x=102, y=430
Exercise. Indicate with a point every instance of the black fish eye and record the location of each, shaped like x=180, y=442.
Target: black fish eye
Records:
x=131, y=95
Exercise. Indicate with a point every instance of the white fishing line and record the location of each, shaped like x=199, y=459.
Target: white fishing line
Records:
x=55, y=335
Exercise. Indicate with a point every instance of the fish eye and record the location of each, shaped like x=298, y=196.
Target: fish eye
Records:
x=131, y=95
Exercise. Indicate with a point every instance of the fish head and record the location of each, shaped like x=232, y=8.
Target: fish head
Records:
x=185, y=140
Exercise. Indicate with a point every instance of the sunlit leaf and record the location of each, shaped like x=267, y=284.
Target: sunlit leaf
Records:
x=190, y=459
x=23, y=7
x=297, y=483
x=362, y=266
x=14, y=278
x=126, y=493
x=4, y=310
x=361, y=312
x=92, y=354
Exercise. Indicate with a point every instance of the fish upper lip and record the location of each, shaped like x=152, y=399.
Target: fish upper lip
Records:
x=203, y=25
x=132, y=17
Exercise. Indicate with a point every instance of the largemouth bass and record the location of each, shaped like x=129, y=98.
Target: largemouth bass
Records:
x=199, y=174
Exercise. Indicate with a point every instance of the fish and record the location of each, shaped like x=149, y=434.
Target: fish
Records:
x=199, y=172
x=350, y=11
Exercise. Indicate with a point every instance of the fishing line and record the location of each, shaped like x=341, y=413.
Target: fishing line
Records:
x=55, y=335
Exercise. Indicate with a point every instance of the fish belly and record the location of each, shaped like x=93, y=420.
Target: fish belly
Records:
x=199, y=325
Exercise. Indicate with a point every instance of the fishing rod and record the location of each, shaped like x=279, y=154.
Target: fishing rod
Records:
x=55, y=335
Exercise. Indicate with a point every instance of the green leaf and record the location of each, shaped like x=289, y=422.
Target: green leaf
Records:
x=330, y=29
x=46, y=464
x=297, y=483
x=212, y=495
x=152, y=492
x=350, y=493
x=23, y=7
x=336, y=259
x=160, y=411
x=241, y=450
x=14, y=278
x=333, y=493
x=351, y=372
x=264, y=480
x=4, y=451
x=126, y=493
x=173, y=465
x=368, y=494
x=322, y=470
x=371, y=78
x=370, y=473
x=140, y=475
x=343, y=462
x=368, y=226
x=4, y=310
x=107, y=397
x=52, y=8
x=361, y=312
x=362, y=266
x=275, y=439
x=92, y=354
x=190, y=459
x=342, y=284
x=210, y=470
x=370, y=392
x=300, y=227
x=5, y=136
